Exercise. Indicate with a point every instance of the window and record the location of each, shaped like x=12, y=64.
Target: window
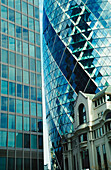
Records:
x=38, y=66
x=3, y=138
x=25, y=48
x=40, y=139
x=4, y=27
x=11, y=122
x=19, y=140
x=3, y=163
x=108, y=116
x=26, y=164
x=4, y=87
x=38, y=52
x=11, y=43
x=26, y=124
x=25, y=23
x=39, y=95
x=11, y=89
x=11, y=139
x=4, y=41
x=26, y=107
x=33, y=93
x=3, y=120
x=40, y=125
x=39, y=110
x=11, y=105
x=19, y=90
x=85, y=159
x=11, y=58
x=33, y=125
x=32, y=64
x=4, y=56
x=11, y=29
x=31, y=23
x=26, y=92
x=26, y=77
x=4, y=103
x=25, y=63
x=37, y=27
x=98, y=157
x=26, y=141
x=19, y=164
x=3, y=12
x=83, y=137
x=18, y=5
x=33, y=109
x=105, y=157
x=11, y=15
x=33, y=141
x=19, y=106
x=11, y=163
x=4, y=71
x=37, y=13
x=18, y=32
x=19, y=122
x=19, y=75
x=19, y=46
x=39, y=80
x=18, y=17
x=19, y=60
x=30, y=10
x=32, y=78
x=24, y=7
x=11, y=73
x=82, y=114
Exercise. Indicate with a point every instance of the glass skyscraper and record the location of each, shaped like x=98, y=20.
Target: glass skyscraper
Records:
x=77, y=55
x=21, y=130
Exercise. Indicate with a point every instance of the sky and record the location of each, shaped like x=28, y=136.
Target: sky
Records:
x=45, y=131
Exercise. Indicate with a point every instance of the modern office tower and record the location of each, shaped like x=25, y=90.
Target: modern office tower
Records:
x=77, y=55
x=21, y=134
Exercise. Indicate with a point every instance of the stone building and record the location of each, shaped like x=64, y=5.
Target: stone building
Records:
x=89, y=147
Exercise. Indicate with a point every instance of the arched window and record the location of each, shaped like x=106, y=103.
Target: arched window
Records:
x=108, y=116
x=82, y=114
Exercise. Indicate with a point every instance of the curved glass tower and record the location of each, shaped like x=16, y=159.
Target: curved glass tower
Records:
x=21, y=132
x=77, y=55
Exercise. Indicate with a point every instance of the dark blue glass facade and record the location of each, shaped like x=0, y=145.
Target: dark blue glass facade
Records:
x=20, y=86
x=77, y=58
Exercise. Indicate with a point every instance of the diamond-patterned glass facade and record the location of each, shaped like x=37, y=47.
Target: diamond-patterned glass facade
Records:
x=77, y=56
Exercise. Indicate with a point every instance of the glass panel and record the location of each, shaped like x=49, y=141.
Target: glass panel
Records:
x=11, y=163
x=33, y=125
x=26, y=164
x=18, y=18
x=19, y=60
x=19, y=90
x=19, y=106
x=11, y=122
x=40, y=142
x=3, y=120
x=4, y=87
x=33, y=141
x=30, y=10
x=11, y=43
x=4, y=103
x=4, y=41
x=40, y=125
x=34, y=164
x=19, y=122
x=3, y=138
x=25, y=22
x=38, y=66
x=11, y=58
x=32, y=78
x=26, y=124
x=11, y=73
x=37, y=39
x=19, y=164
x=33, y=93
x=36, y=2
x=4, y=2
x=31, y=37
x=24, y=7
x=11, y=105
x=37, y=13
x=19, y=140
x=39, y=95
x=26, y=141
x=11, y=89
x=26, y=107
x=33, y=109
x=4, y=71
x=4, y=27
x=25, y=62
x=25, y=49
x=32, y=50
x=11, y=29
x=11, y=15
x=31, y=23
x=3, y=12
x=18, y=32
x=17, y=5
x=39, y=110
x=11, y=3
x=39, y=80
x=37, y=27
x=3, y=163
x=25, y=34
x=4, y=56
x=32, y=64
x=19, y=46
x=26, y=77
x=26, y=92
x=11, y=139
x=19, y=75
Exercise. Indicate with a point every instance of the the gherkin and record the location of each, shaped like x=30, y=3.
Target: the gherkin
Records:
x=77, y=57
